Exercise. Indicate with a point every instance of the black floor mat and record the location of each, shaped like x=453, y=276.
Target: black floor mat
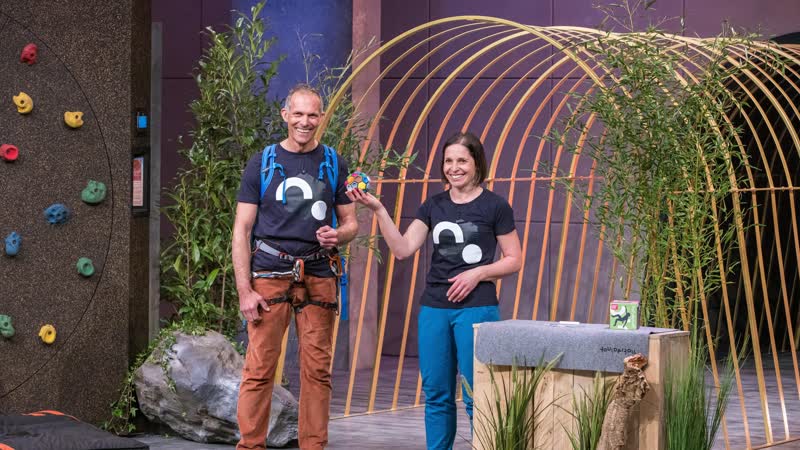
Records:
x=51, y=430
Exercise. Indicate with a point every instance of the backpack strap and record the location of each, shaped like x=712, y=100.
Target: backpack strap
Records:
x=331, y=167
x=267, y=169
x=343, y=291
x=268, y=166
x=333, y=170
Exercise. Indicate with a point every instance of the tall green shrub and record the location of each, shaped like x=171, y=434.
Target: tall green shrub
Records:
x=656, y=125
x=659, y=126
x=234, y=119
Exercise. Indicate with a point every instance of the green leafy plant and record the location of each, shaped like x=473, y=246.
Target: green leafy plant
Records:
x=124, y=409
x=666, y=155
x=233, y=120
x=693, y=411
x=659, y=124
x=589, y=410
x=514, y=410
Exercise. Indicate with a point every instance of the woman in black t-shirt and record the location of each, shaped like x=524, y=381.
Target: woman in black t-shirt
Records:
x=466, y=224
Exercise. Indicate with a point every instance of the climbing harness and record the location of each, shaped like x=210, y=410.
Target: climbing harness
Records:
x=298, y=262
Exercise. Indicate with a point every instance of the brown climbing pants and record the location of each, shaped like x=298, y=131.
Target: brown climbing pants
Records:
x=314, y=334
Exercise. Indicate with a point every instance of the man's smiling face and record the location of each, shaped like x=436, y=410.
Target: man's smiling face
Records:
x=302, y=115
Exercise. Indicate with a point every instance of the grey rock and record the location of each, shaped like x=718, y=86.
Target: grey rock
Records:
x=206, y=372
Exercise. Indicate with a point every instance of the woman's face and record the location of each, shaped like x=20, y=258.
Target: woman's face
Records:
x=459, y=166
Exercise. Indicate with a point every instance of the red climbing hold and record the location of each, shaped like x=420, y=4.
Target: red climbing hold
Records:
x=9, y=152
x=28, y=54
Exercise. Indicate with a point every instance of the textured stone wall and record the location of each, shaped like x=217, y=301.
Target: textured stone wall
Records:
x=84, y=64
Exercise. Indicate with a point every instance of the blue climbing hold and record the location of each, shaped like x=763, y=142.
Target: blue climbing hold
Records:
x=56, y=213
x=13, y=241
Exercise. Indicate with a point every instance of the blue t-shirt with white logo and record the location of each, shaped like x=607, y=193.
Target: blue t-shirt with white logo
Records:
x=291, y=226
x=464, y=236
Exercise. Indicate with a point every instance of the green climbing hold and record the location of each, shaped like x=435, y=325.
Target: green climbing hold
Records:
x=85, y=267
x=6, y=328
x=94, y=192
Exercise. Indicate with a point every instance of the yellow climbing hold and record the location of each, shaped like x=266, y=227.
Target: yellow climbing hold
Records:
x=24, y=103
x=48, y=334
x=73, y=118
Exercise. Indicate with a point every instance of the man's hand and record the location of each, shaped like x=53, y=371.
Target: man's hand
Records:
x=248, y=304
x=328, y=237
x=463, y=284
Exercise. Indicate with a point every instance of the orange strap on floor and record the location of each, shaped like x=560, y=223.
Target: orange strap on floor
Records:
x=48, y=412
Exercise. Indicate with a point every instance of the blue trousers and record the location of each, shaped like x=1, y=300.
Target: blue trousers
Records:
x=446, y=345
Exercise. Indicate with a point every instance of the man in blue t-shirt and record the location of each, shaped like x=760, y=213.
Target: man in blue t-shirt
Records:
x=289, y=217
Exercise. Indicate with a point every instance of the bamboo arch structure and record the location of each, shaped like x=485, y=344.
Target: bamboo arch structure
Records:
x=510, y=83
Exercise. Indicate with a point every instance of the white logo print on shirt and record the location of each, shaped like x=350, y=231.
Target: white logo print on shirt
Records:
x=318, y=209
x=471, y=253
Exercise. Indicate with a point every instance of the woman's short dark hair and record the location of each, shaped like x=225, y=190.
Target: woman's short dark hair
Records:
x=475, y=147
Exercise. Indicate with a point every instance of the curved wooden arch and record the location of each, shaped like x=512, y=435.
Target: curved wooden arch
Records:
x=523, y=65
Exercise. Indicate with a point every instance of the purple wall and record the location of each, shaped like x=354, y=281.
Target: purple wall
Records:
x=325, y=27
x=183, y=22
x=702, y=17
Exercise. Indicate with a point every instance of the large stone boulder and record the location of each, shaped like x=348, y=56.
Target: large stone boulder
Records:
x=193, y=388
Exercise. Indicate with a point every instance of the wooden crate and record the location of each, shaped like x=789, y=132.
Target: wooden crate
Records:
x=558, y=386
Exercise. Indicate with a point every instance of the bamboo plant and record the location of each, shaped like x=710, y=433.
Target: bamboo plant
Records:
x=514, y=409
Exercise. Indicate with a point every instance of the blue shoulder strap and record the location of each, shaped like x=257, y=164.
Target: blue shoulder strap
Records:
x=333, y=170
x=267, y=168
x=331, y=165
x=343, y=291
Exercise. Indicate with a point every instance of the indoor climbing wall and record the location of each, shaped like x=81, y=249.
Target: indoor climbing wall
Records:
x=65, y=143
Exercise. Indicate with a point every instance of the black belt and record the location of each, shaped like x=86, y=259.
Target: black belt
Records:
x=298, y=269
x=266, y=248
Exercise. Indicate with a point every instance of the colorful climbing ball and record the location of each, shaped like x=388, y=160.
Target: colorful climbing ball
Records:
x=358, y=180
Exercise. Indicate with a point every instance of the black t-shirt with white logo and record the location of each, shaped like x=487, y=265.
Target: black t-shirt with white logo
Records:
x=291, y=226
x=464, y=236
